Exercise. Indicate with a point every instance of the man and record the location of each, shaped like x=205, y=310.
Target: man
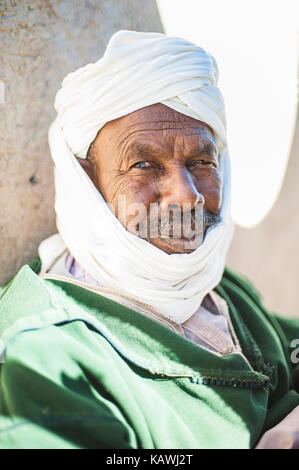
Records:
x=127, y=332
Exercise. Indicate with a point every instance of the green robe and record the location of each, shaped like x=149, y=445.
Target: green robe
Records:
x=82, y=371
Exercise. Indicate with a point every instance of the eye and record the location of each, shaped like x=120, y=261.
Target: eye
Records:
x=207, y=163
x=143, y=165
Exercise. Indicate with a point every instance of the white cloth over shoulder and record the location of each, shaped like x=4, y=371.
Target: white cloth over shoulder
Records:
x=137, y=70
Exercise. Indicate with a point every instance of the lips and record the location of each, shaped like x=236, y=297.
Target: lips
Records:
x=173, y=245
x=184, y=234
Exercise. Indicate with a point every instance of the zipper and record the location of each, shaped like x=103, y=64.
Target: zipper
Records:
x=246, y=384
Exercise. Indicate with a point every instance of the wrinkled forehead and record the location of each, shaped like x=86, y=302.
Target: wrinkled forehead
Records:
x=148, y=121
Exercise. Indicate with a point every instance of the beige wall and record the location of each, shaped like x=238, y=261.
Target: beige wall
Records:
x=41, y=41
x=269, y=253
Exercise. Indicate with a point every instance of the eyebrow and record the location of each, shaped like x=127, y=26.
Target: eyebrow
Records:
x=207, y=148
x=146, y=149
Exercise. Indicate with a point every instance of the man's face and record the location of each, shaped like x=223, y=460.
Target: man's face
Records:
x=163, y=165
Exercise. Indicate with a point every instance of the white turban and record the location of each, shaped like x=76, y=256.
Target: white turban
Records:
x=137, y=70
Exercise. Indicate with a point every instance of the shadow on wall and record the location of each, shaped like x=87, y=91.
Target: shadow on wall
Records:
x=268, y=254
x=40, y=43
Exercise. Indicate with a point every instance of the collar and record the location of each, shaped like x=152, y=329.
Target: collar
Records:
x=32, y=303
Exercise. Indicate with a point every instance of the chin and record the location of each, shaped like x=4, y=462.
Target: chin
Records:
x=176, y=245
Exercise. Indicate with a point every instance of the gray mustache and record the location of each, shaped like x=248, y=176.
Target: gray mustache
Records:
x=178, y=225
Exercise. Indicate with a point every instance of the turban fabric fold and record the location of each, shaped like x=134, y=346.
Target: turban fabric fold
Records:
x=137, y=70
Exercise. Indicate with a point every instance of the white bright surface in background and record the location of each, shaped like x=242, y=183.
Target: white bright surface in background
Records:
x=255, y=45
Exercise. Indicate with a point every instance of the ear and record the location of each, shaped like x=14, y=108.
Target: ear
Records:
x=88, y=167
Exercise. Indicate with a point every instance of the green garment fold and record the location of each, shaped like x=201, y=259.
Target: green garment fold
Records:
x=82, y=371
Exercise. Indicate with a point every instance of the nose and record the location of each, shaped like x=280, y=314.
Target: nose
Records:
x=179, y=189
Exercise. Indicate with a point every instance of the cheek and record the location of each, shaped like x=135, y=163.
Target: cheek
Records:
x=211, y=189
x=129, y=195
